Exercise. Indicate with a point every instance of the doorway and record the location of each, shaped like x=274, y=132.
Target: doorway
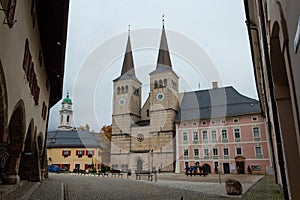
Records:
x=139, y=165
x=226, y=168
x=240, y=167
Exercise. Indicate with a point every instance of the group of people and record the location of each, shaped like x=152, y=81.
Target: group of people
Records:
x=195, y=170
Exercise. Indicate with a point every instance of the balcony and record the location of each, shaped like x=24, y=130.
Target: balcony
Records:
x=259, y=156
x=196, y=157
x=226, y=157
x=186, y=157
x=195, y=142
x=215, y=157
x=257, y=139
x=237, y=139
x=224, y=140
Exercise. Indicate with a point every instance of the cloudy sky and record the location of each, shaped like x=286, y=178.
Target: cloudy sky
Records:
x=207, y=39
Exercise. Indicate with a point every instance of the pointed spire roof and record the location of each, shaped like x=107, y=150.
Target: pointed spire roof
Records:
x=163, y=54
x=128, y=70
x=128, y=66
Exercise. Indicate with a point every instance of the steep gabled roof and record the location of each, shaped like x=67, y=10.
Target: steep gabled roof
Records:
x=218, y=102
x=128, y=71
x=73, y=138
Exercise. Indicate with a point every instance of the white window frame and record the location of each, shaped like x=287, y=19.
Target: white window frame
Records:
x=236, y=153
x=234, y=128
x=226, y=134
x=261, y=151
x=187, y=137
x=184, y=152
x=194, y=123
x=195, y=152
x=254, y=120
x=205, y=140
x=211, y=133
x=259, y=134
x=195, y=133
x=213, y=122
x=204, y=154
x=224, y=151
x=235, y=120
x=213, y=151
x=203, y=123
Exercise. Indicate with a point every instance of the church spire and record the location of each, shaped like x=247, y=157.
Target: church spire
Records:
x=128, y=66
x=163, y=55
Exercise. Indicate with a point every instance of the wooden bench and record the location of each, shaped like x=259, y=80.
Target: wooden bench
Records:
x=138, y=175
x=102, y=174
x=115, y=173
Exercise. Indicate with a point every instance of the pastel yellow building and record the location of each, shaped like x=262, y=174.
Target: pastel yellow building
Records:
x=70, y=148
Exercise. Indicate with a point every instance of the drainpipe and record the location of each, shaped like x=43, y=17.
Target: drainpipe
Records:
x=273, y=103
x=252, y=27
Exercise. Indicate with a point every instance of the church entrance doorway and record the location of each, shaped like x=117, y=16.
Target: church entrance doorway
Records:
x=139, y=165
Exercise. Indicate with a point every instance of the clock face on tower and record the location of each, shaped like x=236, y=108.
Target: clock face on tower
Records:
x=122, y=102
x=160, y=96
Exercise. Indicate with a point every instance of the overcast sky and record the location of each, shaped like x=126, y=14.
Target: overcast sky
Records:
x=207, y=39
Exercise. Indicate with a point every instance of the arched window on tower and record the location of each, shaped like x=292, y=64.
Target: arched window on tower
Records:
x=165, y=82
x=160, y=83
x=126, y=88
x=61, y=118
x=118, y=90
x=155, y=84
x=148, y=112
x=68, y=119
x=122, y=89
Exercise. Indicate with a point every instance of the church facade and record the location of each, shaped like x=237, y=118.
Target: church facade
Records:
x=143, y=135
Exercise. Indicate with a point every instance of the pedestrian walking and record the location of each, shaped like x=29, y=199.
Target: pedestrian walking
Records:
x=187, y=169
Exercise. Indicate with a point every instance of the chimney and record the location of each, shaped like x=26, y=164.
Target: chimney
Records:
x=215, y=84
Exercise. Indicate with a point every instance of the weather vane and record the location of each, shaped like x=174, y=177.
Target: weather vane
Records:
x=129, y=28
x=163, y=19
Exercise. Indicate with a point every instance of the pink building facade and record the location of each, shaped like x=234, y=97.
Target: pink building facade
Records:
x=228, y=144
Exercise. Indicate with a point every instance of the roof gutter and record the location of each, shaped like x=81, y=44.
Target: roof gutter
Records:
x=271, y=89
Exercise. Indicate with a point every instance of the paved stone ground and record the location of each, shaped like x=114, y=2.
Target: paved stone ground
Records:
x=168, y=186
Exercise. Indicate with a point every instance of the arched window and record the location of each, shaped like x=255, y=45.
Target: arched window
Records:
x=118, y=90
x=68, y=119
x=126, y=88
x=160, y=83
x=148, y=112
x=61, y=118
x=165, y=82
x=122, y=89
x=155, y=84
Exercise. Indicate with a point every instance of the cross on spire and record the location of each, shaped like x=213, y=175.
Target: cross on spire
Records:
x=163, y=20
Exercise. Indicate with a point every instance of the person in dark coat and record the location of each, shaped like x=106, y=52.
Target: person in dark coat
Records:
x=194, y=169
x=204, y=170
x=191, y=170
x=187, y=169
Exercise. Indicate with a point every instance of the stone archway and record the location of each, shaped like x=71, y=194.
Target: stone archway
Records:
x=30, y=159
x=284, y=100
x=16, y=129
x=3, y=121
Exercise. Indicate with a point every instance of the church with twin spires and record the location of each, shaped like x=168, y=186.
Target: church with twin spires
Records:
x=143, y=136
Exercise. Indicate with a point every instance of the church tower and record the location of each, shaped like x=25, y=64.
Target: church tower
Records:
x=66, y=114
x=163, y=108
x=126, y=102
x=164, y=90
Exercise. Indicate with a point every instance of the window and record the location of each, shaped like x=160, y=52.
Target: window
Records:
x=239, y=151
x=160, y=83
x=66, y=153
x=61, y=118
x=216, y=164
x=155, y=84
x=214, y=135
x=237, y=134
x=185, y=137
x=206, y=153
x=258, y=151
x=90, y=153
x=184, y=124
x=204, y=135
x=203, y=123
x=126, y=88
x=223, y=121
x=256, y=133
x=118, y=90
x=224, y=135
x=165, y=82
x=114, y=166
x=68, y=119
x=225, y=151
x=196, y=152
x=212, y=122
x=195, y=136
x=186, y=152
x=122, y=89
x=254, y=118
x=235, y=120
x=79, y=153
x=9, y=7
x=215, y=151
x=194, y=123
x=44, y=111
x=148, y=113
